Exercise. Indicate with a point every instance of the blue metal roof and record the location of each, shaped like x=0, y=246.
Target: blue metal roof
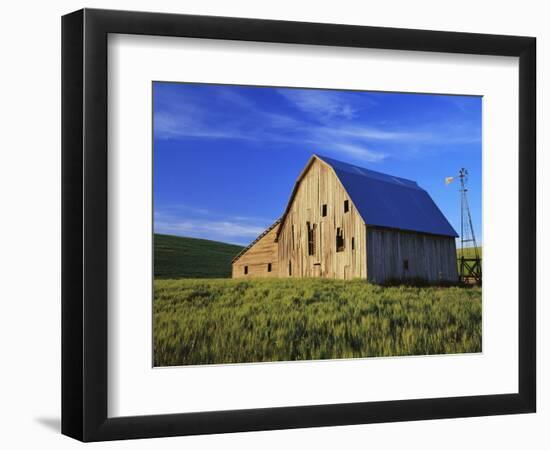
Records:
x=393, y=202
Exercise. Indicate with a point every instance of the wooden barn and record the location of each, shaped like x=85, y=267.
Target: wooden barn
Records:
x=344, y=221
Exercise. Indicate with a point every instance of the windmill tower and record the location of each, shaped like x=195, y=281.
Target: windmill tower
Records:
x=469, y=260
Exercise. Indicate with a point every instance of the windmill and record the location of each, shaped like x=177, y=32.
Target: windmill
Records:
x=470, y=260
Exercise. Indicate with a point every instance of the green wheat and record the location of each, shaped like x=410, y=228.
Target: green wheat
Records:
x=217, y=321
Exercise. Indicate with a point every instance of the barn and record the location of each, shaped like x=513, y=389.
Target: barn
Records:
x=344, y=221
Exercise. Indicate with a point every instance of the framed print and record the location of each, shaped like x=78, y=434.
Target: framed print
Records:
x=273, y=224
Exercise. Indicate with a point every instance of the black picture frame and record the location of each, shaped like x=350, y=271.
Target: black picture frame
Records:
x=84, y=224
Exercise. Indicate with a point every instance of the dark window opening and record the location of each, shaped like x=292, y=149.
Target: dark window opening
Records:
x=246, y=270
x=269, y=267
x=311, y=238
x=353, y=243
x=292, y=237
x=339, y=240
x=290, y=268
x=346, y=206
x=405, y=264
x=324, y=210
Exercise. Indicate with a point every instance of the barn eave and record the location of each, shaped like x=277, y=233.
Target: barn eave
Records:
x=249, y=246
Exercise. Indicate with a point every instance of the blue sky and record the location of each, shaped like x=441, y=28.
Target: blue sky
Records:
x=226, y=157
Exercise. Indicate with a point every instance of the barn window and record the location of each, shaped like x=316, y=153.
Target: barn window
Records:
x=290, y=268
x=269, y=267
x=311, y=238
x=339, y=240
x=246, y=270
x=346, y=206
x=353, y=243
x=324, y=210
x=405, y=264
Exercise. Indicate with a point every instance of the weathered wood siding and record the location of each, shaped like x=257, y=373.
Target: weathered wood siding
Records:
x=319, y=186
x=257, y=258
x=429, y=257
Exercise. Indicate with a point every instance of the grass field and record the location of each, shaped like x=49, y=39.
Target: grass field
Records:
x=182, y=257
x=199, y=321
x=469, y=252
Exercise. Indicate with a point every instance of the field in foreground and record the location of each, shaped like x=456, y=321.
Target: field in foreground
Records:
x=232, y=321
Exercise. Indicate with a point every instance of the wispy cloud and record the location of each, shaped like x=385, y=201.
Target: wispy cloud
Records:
x=328, y=121
x=200, y=228
x=189, y=221
x=182, y=208
x=360, y=152
x=322, y=104
x=175, y=125
x=377, y=134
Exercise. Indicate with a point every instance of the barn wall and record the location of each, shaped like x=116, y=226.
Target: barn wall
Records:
x=321, y=186
x=257, y=257
x=429, y=257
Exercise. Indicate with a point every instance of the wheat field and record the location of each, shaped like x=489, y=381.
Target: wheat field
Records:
x=219, y=321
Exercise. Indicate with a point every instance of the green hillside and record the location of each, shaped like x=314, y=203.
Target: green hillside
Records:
x=183, y=257
x=469, y=252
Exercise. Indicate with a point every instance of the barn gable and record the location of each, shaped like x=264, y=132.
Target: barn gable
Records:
x=321, y=232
